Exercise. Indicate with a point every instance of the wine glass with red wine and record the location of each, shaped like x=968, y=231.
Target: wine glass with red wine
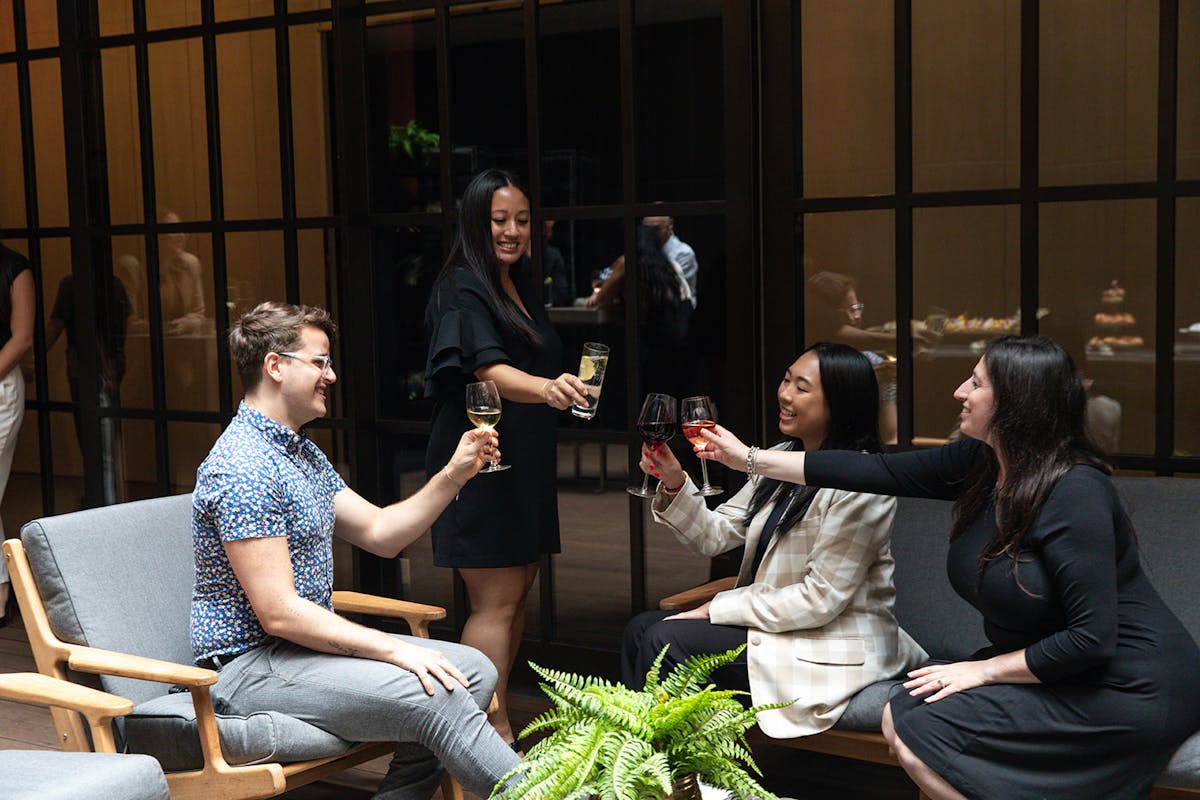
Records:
x=696, y=414
x=656, y=424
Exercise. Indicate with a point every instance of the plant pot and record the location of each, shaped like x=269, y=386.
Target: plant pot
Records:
x=685, y=788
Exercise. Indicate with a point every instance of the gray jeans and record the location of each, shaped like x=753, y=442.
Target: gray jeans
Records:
x=362, y=700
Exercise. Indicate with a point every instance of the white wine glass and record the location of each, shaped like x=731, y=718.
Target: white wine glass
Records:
x=483, y=410
x=656, y=425
x=696, y=414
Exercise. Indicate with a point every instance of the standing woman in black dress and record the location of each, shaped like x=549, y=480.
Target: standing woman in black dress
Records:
x=1088, y=687
x=487, y=322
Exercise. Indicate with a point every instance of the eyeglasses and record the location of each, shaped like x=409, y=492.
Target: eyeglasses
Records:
x=324, y=363
x=855, y=308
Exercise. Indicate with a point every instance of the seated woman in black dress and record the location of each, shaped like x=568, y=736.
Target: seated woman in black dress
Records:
x=814, y=597
x=1089, y=684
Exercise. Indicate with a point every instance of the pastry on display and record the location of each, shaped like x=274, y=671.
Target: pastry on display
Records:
x=982, y=325
x=1116, y=341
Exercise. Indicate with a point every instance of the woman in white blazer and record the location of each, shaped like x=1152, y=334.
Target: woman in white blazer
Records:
x=813, y=600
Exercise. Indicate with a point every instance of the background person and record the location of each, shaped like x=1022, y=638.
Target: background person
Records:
x=18, y=299
x=815, y=589
x=1088, y=687
x=266, y=506
x=487, y=322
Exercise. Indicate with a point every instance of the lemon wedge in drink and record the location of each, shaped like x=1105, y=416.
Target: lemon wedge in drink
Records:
x=587, y=369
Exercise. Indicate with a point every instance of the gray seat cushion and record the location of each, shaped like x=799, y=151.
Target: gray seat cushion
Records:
x=165, y=728
x=120, y=578
x=1184, y=767
x=51, y=775
x=865, y=712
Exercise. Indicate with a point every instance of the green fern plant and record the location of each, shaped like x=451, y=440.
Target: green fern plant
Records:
x=614, y=743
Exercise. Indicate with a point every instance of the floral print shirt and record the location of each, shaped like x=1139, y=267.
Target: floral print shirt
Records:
x=260, y=479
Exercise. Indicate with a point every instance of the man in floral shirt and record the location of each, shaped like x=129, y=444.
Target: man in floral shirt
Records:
x=265, y=508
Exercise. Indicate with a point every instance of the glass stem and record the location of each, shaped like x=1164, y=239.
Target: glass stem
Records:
x=704, y=472
x=645, y=483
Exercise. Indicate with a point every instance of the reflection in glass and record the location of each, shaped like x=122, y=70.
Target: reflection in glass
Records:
x=55, y=267
x=67, y=459
x=966, y=94
x=249, y=123
x=405, y=262
x=847, y=94
x=680, y=90
x=254, y=273
x=41, y=24
x=403, y=137
x=581, y=102
x=189, y=338
x=12, y=167
x=487, y=71
x=1187, y=318
x=121, y=131
x=1098, y=91
x=129, y=278
x=317, y=256
x=311, y=99
x=45, y=88
x=139, y=460
x=966, y=261
x=1188, y=92
x=116, y=17
x=23, y=495
x=1096, y=270
x=179, y=122
x=189, y=443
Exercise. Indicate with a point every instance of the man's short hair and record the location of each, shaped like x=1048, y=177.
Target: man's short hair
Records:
x=271, y=327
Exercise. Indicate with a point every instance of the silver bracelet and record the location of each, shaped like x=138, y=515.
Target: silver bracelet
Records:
x=751, y=458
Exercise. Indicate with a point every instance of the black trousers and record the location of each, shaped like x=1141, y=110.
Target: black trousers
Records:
x=648, y=632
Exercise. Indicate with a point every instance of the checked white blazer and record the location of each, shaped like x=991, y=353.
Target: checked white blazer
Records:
x=819, y=611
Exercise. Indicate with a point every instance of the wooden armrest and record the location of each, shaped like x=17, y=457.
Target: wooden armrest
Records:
x=359, y=603
x=928, y=441
x=123, y=665
x=700, y=595
x=36, y=689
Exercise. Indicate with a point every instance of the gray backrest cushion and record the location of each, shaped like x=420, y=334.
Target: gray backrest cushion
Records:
x=1166, y=519
x=926, y=606
x=51, y=775
x=119, y=578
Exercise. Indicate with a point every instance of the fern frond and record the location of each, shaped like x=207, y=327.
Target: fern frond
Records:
x=692, y=674
x=653, y=677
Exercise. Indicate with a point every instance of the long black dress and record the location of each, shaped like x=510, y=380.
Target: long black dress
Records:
x=1118, y=691
x=500, y=519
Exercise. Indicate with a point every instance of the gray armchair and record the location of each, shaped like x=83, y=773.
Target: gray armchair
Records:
x=55, y=775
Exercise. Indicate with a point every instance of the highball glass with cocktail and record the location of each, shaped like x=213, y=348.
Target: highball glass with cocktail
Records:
x=592, y=366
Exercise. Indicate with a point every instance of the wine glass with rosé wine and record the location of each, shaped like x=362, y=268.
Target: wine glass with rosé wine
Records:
x=656, y=425
x=696, y=414
x=483, y=410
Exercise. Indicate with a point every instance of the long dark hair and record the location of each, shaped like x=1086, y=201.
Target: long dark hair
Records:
x=852, y=396
x=1039, y=425
x=474, y=251
x=658, y=279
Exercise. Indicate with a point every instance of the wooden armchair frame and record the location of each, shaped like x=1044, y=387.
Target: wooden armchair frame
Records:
x=856, y=745
x=217, y=779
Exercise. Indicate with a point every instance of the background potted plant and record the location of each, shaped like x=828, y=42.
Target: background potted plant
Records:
x=614, y=743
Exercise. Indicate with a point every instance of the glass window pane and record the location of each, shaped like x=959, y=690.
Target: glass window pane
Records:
x=295, y=6
x=849, y=259
x=116, y=17
x=129, y=279
x=967, y=281
x=240, y=9
x=679, y=82
x=121, y=135
x=1187, y=316
x=1098, y=95
x=50, y=155
x=966, y=94
x=68, y=461
x=1188, y=109
x=55, y=267
x=180, y=126
x=12, y=167
x=254, y=270
x=249, y=124
x=8, y=34
x=581, y=103
x=487, y=110
x=189, y=338
x=189, y=443
x=41, y=23
x=23, y=495
x=848, y=98
x=317, y=250
x=406, y=260
x=172, y=15
x=403, y=135
x=1087, y=249
x=136, y=476
x=311, y=98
